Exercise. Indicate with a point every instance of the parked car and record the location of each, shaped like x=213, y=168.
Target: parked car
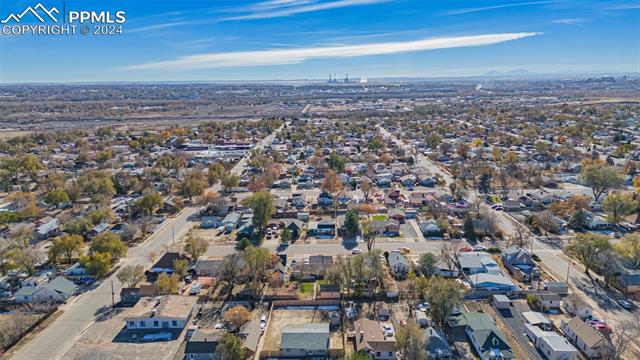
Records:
x=625, y=304
x=388, y=330
x=356, y=251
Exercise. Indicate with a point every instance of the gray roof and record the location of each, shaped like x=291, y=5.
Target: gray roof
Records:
x=437, y=343
x=26, y=291
x=397, y=258
x=61, y=285
x=311, y=337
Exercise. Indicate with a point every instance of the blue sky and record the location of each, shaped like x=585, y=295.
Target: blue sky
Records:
x=222, y=40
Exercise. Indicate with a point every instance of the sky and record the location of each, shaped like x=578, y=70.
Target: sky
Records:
x=224, y=40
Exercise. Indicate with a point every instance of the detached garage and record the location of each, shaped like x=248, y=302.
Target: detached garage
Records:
x=501, y=301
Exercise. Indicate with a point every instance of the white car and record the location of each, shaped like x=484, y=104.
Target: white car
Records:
x=263, y=319
x=388, y=330
x=356, y=251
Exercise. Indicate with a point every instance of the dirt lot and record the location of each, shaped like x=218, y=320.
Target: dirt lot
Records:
x=101, y=341
x=281, y=318
x=12, y=326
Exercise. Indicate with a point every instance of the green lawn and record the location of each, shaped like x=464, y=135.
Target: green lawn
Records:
x=306, y=288
x=380, y=217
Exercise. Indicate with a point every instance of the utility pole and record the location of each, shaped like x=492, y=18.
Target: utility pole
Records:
x=173, y=234
x=113, y=302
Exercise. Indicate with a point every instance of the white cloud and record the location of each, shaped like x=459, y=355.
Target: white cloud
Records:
x=282, y=8
x=494, y=7
x=574, y=21
x=299, y=55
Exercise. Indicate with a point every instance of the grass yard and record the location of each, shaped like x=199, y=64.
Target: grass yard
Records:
x=306, y=288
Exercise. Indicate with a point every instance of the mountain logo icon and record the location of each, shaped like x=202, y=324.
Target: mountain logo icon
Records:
x=39, y=12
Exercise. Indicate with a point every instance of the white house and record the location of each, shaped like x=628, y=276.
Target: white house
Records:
x=57, y=290
x=398, y=263
x=589, y=340
x=161, y=313
x=550, y=344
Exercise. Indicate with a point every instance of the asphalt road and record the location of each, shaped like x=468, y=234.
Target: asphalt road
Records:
x=601, y=300
x=80, y=312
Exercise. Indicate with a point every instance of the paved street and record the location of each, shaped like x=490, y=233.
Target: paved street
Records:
x=56, y=339
x=548, y=251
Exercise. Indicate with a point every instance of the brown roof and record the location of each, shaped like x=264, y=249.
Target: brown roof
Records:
x=591, y=337
x=369, y=336
x=148, y=290
x=166, y=261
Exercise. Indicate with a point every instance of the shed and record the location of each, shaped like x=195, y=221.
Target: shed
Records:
x=501, y=301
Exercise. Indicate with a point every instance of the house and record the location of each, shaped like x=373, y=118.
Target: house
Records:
x=446, y=268
x=57, y=290
x=328, y=291
x=387, y=227
x=203, y=344
x=168, y=312
x=492, y=282
x=371, y=340
x=323, y=229
x=295, y=226
x=305, y=341
x=77, y=271
x=576, y=306
x=325, y=199
x=210, y=222
x=487, y=339
x=477, y=262
x=627, y=281
x=48, y=227
x=586, y=338
x=550, y=344
x=397, y=214
x=316, y=268
x=165, y=263
x=231, y=221
x=129, y=296
x=437, y=344
x=520, y=264
x=430, y=228
x=550, y=301
x=298, y=200
x=398, y=264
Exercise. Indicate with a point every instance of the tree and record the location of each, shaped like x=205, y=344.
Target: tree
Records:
x=77, y=226
x=110, y=243
x=359, y=355
x=545, y=221
x=262, y=205
x=579, y=220
x=331, y=183
x=411, y=342
x=586, y=248
x=168, y=284
x=193, y=185
x=55, y=197
x=443, y=295
x=286, y=235
x=468, y=227
x=149, y=203
x=256, y=261
x=131, y=275
x=427, y=263
x=521, y=235
x=195, y=246
x=181, y=267
x=484, y=183
x=618, y=206
x=229, y=181
x=352, y=222
x=215, y=173
x=98, y=264
x=336, y=162
x=67, y=245
x=243, y=243
x=629, y=247
x=237, y=316
x=230, y=347
x=600, y=178
x=366, y=187
x=229, y=269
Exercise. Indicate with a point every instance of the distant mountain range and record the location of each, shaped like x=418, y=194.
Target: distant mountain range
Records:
x=515, y=72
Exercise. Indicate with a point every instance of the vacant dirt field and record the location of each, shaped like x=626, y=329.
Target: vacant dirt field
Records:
x=282, y=318
x=13, y=326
